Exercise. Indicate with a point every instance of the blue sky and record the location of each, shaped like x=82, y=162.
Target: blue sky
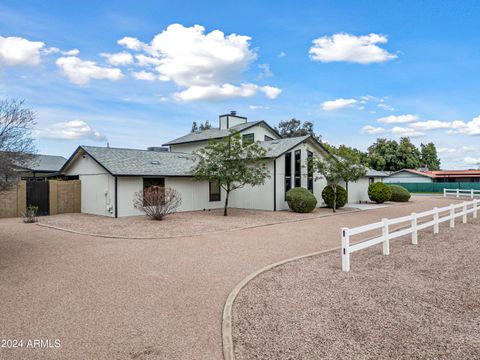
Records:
x=137, y=74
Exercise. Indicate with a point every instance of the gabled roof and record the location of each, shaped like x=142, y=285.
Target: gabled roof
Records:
x=134, y=162
x=375, y=173
x=278, y=147
x=439, y=174
x=216, y=133
x=45, y=163
x=416, y=172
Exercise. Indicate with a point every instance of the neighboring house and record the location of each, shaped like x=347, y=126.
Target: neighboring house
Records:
x=110, y=177
x=426, y=176
x=41, y=167
x=358, y=191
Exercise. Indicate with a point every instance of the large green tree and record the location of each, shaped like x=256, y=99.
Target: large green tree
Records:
x=429, y=157
x=294, y=128
x=383, y=155
x=231, y=164
x=336, y=169
x=408, y=155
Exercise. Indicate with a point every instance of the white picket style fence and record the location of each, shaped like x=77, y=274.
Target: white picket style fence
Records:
x=471, y=193
x=439, y=215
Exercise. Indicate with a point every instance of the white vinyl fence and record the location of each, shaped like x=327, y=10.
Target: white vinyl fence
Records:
x=471, y=193
x=438, y=215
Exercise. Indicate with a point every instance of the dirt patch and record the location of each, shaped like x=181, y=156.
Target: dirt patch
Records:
x=180, y=224
x=419, y=302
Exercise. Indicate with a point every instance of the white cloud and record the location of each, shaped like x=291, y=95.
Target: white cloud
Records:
x=225, y=91
x=368, y=129
x=19, y=51
x=206, y=65
x=398, y=119
x=70, y=130
x=55, y=50
x=265, y=71
x=144, y=75
x=446, y=150
x=406, y=132
x=431, y=125
x=282, y=54
x=468, y=128
x=118, y=59
x=386, y=107
x=350, y=48
x=258, y=107
x=131, y=43
x=80, y=72
x=338, y=104
x=471, y=160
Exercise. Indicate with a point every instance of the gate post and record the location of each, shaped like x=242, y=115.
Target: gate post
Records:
x=21, y=198
x=53, y=196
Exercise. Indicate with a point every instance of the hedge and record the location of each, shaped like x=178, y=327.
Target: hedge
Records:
x=327, y=196
x=379, y=192
x=301, y=200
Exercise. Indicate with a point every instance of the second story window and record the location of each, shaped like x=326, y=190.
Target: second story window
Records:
x=310, y=171
x=248, y=139
x=288, y=172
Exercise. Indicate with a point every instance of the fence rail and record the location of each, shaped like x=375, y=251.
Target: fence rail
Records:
x=437, y=215
x=461, y=192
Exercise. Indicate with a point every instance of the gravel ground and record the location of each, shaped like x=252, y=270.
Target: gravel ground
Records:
x=179, y=224
x=420, y=302
x=110, y=299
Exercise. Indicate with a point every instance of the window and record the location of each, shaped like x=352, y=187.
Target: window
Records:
x=214, y=191
x=158, y=183
x=298, y=165
x=371, y=180
x=248, y=139
x=288, y=172
x=267, y=138
x=310, y=171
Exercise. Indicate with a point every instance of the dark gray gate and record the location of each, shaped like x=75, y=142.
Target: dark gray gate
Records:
x=38, y=194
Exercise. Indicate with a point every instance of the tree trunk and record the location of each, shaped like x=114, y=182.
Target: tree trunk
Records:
x=334, y=198
x=225, y=209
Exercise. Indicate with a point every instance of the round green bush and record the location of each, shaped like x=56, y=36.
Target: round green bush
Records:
x=399, y=193
x=301, y=200
x=327, y=196
x=379, y=192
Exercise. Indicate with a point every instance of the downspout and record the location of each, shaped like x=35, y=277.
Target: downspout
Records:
x=116, y=197
x=275, y=185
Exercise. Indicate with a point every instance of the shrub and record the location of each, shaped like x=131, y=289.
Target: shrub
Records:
x=157, y=202
x=399, y=193
x=379, y=192
x=30, y=215
x=327, y=195
x=301, y=200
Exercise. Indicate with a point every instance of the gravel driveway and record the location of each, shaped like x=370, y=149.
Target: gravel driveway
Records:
x=143, y=299
x=421, y=302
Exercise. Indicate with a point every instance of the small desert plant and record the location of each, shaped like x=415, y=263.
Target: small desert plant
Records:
x=301, y=200
x=399, y=193
x=30, y=216
x=379, y=192
x=328, y=196
x=157, y=202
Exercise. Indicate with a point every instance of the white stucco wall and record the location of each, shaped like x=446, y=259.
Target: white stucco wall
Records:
x=407, y=177
x=259, y=132
x=127, y=186
x=188, y=147
x=195, y=194
x=97, y=186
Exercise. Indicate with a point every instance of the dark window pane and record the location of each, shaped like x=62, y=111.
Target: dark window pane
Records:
x=298, y=164
x=267, y=138
x=214, y=191
x=248, y=139
x=310, y=171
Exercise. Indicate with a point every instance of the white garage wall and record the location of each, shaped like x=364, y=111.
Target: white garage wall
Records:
x=195, y=194
x=97, y=186
x=126, y=189
x=407, y=177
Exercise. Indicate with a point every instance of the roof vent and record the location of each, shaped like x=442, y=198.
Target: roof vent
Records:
x=155, y=162
x=158, y=148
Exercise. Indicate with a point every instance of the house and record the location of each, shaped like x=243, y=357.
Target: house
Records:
x=426, y=176
x=41, y=167
x=110, y=177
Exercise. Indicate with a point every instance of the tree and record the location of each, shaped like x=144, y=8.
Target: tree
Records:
x=157, y=202
x=203, y=126
x=429, y=157
x=294, y=128
x=335, y=170
x=16, y=144
x=231, y=164
x=382, y=155
x=408, y=155
x=347, y=152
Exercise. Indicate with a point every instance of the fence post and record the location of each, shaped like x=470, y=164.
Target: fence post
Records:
x=435, y=220
x=471, y=194
x=475, y=208
x=414, y=229
x=345, y=250
x=452, y=216
x=444, y=192
x=386, y=241
x=458, y=193
x=464, y=212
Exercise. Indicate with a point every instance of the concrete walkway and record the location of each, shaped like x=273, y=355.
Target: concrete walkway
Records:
x=144, y=299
